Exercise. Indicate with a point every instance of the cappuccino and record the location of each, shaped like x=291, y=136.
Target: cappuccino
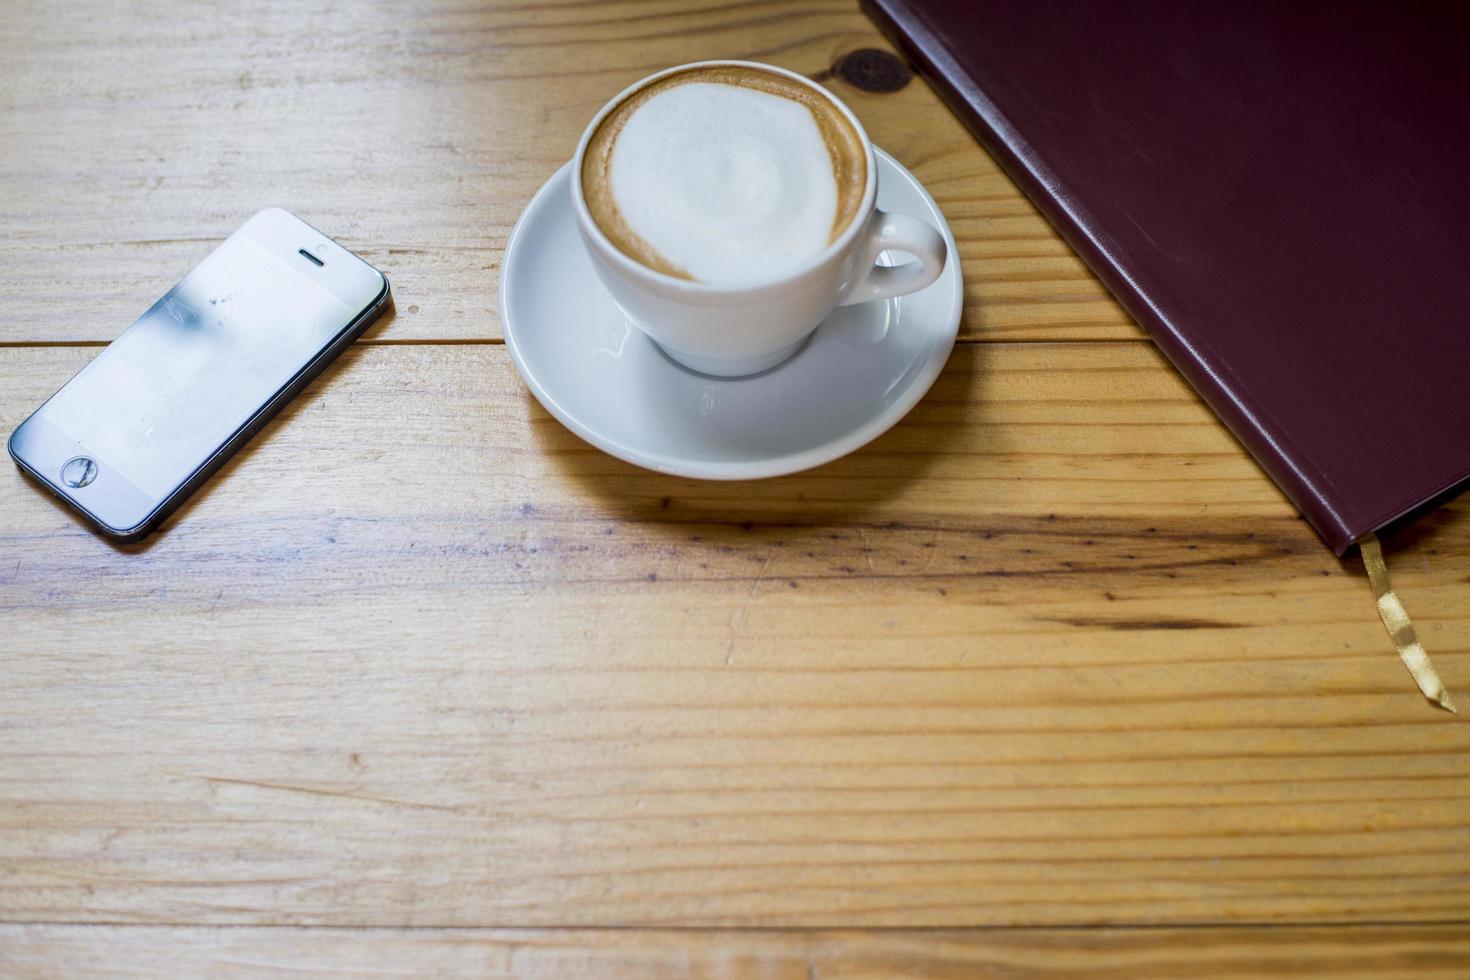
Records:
x=725, y=174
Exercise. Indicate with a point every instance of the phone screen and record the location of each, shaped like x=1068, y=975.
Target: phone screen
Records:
x=181, y=380
x=155, y=406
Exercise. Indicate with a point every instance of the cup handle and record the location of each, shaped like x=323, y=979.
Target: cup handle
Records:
x=900, y=233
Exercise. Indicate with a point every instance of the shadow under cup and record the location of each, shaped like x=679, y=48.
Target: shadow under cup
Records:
x=735, y=331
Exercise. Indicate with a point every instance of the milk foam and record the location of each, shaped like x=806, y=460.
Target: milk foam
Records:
x=730, y=184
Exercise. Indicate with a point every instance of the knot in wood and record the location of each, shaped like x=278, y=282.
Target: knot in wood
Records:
x=873, y=70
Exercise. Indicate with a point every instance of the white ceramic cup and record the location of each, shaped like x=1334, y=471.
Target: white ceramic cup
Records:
x=734, y=331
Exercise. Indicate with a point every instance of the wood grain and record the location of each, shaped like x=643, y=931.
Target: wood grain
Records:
x=135, y=136
x=1379, y=953
x=1051, y=651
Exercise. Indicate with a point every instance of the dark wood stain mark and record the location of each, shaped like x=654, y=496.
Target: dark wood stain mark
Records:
x=1145, y=624
x=870, y=70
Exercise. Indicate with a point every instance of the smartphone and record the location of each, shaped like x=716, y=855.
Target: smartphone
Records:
x=151, y=417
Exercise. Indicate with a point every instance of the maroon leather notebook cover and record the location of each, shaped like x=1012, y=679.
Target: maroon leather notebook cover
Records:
x=1279, y=192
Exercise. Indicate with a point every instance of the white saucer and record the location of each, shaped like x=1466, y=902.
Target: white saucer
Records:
x=861, y=372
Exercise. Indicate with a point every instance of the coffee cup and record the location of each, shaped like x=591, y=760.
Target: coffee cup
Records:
x=729, y=206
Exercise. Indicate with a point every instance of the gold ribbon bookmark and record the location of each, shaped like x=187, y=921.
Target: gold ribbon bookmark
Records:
x=1400, y=630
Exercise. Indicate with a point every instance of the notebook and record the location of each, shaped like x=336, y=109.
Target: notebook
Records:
x=1278, y=192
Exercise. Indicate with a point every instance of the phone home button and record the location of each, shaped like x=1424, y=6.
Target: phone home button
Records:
x=78, y=472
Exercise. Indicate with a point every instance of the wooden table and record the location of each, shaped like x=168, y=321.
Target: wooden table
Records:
x=1049, y=678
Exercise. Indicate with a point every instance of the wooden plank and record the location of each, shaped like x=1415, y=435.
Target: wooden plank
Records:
x=1379, y=953
x=1051, y=651
x=135, y=136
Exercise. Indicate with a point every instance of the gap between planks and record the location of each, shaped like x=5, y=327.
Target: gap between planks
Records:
x=1067, y=927
x=500, y=342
